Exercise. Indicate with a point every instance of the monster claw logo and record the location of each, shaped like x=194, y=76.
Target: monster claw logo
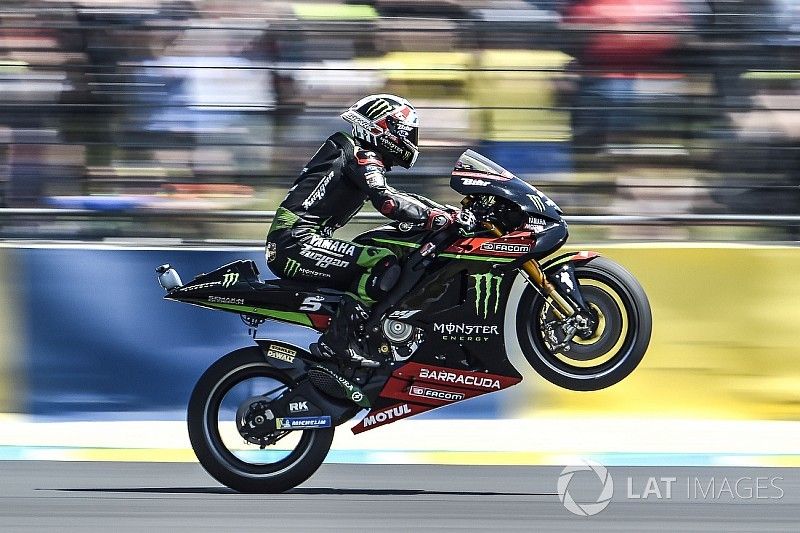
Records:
x=487, y=289
x=229, y=279
x=291, y=267
x=537, y=202
x=378, y=108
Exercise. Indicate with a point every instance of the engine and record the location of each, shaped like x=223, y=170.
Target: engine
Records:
x=402, y=339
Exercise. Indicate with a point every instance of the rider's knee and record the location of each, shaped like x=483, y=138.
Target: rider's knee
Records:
x=383, y=277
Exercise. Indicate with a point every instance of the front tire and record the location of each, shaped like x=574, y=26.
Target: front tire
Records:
x=255, y=470
x=612, y=352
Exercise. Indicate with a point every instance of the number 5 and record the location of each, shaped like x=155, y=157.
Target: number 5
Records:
x=311, y=304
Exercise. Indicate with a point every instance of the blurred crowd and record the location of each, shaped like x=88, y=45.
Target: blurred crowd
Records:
x=611, y=106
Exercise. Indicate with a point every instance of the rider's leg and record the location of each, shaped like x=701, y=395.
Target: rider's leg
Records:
x=380, y=271
x=340, y=340
x=367, y=272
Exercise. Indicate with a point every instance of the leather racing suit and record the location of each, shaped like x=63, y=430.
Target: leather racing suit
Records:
x=331, y=189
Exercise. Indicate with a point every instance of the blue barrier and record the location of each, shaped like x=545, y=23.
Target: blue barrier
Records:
x=99, y=341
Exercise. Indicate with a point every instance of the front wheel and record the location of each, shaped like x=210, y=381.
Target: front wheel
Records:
x=615, y=348
x=278, y=463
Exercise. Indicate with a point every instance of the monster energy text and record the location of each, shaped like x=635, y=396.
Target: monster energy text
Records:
x=487, y=291
x=465, y=332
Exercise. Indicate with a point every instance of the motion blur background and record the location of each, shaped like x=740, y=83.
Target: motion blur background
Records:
x=148, y=128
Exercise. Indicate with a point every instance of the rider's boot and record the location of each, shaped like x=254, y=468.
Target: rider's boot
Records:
x=339, y=341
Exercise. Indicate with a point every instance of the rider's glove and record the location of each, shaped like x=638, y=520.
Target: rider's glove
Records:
x=466, y=219
x=438, y=219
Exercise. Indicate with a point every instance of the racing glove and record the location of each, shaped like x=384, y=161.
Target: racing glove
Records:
x=438, y=219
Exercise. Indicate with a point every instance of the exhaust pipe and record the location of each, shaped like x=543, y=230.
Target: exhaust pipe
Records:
x=168, y=277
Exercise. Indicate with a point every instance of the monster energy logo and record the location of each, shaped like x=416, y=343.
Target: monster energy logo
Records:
x=487, y=288
x=537, y=202
x=291, y=267
x=229, y=279
x=378, y=108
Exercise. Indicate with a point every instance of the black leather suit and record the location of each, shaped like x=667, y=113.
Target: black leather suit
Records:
x=332, y=188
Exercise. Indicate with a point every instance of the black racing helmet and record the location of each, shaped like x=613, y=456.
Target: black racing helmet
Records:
x=389, y=125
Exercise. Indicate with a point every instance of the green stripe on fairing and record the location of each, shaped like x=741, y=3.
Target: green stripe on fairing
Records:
x=450, y=256
x=478, y=258
x=371, y=256
x=289, y=316
x=398, y=243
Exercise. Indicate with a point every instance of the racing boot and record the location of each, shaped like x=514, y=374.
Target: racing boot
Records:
x=349, y=357
x=339, y=341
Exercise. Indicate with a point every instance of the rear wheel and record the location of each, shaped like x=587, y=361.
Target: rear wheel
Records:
x=277, y=464
x=617, y=345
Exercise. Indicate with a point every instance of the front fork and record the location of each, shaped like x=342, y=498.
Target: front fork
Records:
x=534, y=274
x=582, y=320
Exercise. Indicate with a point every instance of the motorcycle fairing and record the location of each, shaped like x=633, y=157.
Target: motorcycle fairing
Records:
x=421, y=388
x=475, y=174
x=236, y=287
x=482, y=246
x=576, y=257
x=511, y=245
x=460, y=308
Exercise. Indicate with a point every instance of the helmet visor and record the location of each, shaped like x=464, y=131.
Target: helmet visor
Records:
x=404, y=129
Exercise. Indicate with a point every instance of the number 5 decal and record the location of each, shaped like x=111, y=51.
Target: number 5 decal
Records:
x=312, y=303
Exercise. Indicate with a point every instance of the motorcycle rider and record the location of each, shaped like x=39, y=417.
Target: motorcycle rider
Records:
x=346, y=171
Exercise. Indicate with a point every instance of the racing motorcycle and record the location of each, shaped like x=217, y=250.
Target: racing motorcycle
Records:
x=262, y=418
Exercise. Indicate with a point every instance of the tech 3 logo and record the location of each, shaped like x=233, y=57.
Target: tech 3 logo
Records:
x=487, y=290
x=230, y=278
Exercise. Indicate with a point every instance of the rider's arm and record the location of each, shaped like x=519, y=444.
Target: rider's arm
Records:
x=428, y=202
x=369, y=174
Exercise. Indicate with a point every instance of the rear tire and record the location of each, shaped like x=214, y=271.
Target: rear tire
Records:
x=613, y=352
x=220, y=462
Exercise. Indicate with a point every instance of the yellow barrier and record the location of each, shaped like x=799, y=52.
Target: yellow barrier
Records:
x=724, y=344
x=9, y=335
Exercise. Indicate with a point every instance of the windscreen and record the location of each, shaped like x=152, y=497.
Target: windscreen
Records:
x=475, y=162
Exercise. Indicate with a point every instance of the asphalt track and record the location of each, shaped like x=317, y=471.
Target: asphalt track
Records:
x=116, y=497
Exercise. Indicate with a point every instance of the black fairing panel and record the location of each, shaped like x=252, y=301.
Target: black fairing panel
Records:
x=236, y=287
x=477, y=175
x=461, y=293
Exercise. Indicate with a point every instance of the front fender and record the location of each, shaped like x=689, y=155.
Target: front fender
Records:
x=561, y=272
x=581, y=257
